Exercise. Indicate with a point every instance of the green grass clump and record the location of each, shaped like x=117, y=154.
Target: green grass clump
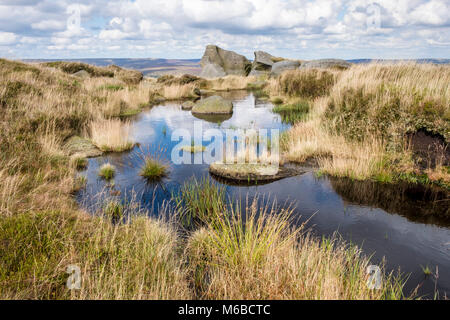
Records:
x=237, y=255
x=426, y=270
x=153, y=170
x=111, y=87
x=107, y=171
x=277, y=100
x=114, y=210
x=80, y=163
x=199, y=202
x=292, y=113
x=130, y=112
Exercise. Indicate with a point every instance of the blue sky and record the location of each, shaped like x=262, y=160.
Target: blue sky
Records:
x=313, y=29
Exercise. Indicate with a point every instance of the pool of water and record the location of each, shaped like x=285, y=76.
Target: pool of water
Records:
x=407, y=225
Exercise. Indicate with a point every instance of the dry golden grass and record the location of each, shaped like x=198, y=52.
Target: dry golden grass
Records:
x=147, y=269
x=10, y=187
x=42, y=231
x=360, y=129
x=261, y=257
x=111, y=135
x=178, y=92
x=135, y=260
x=230, y=82
x=397, y=98
x=305, y=83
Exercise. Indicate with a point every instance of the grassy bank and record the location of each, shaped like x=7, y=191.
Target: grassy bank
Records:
x=121, y=252
x=363, y=122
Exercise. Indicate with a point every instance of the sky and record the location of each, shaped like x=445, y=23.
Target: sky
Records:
x=314, y=29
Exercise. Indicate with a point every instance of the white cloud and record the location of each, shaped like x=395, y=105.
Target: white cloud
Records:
x=181, y=28
x=49, y=25
x=7, y=38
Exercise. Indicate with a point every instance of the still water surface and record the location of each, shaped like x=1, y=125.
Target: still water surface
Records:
x=392, y=222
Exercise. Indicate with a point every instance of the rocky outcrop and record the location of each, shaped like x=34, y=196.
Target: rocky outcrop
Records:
x=217, y=62
x=213, y=105
x=247, y=173
x=82, y=74
x=126, y=75
x=325, y=64
x=210, y=70
x=279, y=67
x=262, y=64
x=80, y=147
x=187, y=105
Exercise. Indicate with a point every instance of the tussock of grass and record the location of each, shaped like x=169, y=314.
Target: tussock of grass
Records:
x=302, y=83
x=111, y=135
x=107, y=171
x=178, y=92
x=198, y=202
x=390, y=101
x=36, y=249
x=231, y=82
x=256, y=255
x=294, y=112
x=360, y=129
x=80, y=163
x=153, y=169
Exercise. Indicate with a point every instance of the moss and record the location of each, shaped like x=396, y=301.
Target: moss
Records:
x=81, y=146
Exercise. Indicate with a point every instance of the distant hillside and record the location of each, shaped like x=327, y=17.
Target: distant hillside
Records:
x=435, y=61
x=149, y=67
x=157, y=67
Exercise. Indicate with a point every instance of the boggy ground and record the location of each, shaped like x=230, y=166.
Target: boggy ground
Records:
x=206, y=250
x=387, y=123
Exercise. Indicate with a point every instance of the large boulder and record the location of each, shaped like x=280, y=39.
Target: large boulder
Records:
x=248, y=173
x=262, y=64
x=217, y=62
x=126, y=75
x=325, y=64
x=83, y=74
x=213, y=105
x=279, y=67
x=77, y=146
x=211, y=70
